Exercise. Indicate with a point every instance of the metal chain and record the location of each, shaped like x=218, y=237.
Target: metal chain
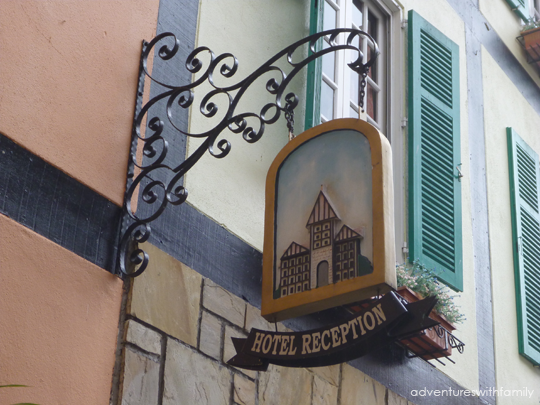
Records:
x=363, y=89
x=289, y=116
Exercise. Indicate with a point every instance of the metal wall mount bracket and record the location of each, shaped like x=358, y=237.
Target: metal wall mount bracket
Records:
x=149, y=147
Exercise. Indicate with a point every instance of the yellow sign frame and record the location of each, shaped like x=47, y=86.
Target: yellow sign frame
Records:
x=383, y=278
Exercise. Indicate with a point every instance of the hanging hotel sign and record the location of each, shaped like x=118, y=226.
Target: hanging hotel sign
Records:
x=329, y=241
x=329, y=229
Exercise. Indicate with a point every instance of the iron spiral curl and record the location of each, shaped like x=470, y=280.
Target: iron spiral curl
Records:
x=156, y=194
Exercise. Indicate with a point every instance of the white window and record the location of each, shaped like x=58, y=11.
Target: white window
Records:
x=340, y=86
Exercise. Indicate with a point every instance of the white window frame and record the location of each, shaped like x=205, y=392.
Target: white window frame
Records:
x=342, y=82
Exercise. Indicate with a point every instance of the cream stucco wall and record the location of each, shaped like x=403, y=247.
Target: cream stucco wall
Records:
x=507, y=25
x=68, y=77
x=231, y=190
x=58, y=323
x=512, y=370
x=465, y=371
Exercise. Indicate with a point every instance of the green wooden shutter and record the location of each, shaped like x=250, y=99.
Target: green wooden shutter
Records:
x=521, y=8
x=524, y=191
x=313, y=89
x=434, y=152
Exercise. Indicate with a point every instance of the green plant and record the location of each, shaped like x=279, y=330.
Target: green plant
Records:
x=424, y=281
x=16, y=386
x=531, y=25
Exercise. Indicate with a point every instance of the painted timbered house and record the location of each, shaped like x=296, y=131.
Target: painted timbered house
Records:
x=331, y=257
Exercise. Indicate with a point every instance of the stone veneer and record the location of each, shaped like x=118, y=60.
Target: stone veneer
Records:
x=177, y=340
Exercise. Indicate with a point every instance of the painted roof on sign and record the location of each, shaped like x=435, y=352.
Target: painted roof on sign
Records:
x=348, y=233
x=322, y=210
x=294, y=249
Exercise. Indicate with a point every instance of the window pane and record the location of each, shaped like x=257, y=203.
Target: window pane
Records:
x=329, y=17
x=355, y=77
x=373, y=69
x=371, y=104
x=372, y=25
x=372, y=30
x=353, y=113
x=357, y=14
x=329, y=63
x=327, y=101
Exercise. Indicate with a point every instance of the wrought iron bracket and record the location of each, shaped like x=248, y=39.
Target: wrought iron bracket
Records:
x=153, y=147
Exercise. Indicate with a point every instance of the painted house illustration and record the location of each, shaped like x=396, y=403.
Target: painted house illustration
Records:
x=331, y=257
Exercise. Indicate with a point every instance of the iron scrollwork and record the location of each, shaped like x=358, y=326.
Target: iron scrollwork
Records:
x=158, y=194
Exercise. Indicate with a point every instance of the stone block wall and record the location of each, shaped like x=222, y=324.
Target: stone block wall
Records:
x=177, y=339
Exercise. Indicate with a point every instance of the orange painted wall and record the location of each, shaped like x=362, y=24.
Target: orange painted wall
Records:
x=68, y=75
x=58, y=322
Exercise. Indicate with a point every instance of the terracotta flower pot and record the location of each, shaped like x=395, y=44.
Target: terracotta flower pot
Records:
x=531, y=38
x=430, y=343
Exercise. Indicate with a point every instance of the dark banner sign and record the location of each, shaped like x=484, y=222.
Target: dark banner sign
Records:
x=383, y=321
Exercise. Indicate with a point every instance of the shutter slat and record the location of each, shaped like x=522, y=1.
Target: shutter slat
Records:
x=527, y=180
x=434, y=169
x=436, y=239
x=535, y=295
x=533, y=283
x=436, y=68
x=438, y=121
x=436, y=249
x=436, y=62
x=446, y=56
x=524, y=170
x=444, y=215
x=536, y=321
x=441, y=233
x=437, y=170
x=437, y=233
x=442, y=220
x=439, y=58
x=436, y=144
x=434, y=152
x=529, y=261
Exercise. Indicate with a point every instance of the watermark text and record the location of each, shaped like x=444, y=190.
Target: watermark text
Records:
x=488, y=392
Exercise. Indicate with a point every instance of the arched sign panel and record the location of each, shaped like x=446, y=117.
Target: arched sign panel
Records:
x=329, y=222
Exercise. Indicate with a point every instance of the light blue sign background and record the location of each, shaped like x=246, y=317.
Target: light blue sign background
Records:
x=341, y=162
